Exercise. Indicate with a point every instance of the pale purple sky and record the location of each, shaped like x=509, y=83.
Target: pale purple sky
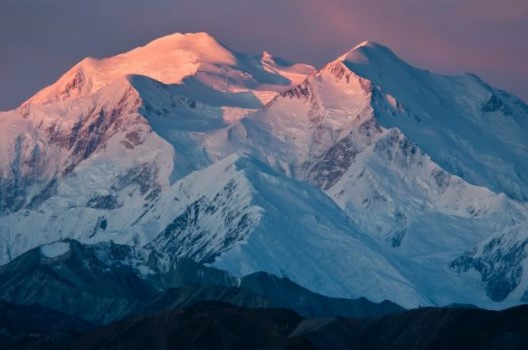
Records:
x=41, y=39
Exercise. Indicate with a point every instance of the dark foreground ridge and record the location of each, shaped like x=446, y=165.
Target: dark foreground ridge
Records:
x=216, y=325
x=94, y=297
x=98, y=283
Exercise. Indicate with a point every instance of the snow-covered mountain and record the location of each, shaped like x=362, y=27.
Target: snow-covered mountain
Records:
x=367, y=177
x=198, y=60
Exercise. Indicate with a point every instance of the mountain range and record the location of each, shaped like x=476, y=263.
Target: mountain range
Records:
x=366, y=178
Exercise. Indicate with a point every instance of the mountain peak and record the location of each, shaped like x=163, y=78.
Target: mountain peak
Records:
x=173, y=58
x=367, y=43
x=267, y=58
x=168, y=59
x=186, y=40
x=199, y=46
x=372, y=61
x=367, y=51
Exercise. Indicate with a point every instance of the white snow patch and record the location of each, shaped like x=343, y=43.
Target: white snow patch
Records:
x=56, y=249
x=144, y=270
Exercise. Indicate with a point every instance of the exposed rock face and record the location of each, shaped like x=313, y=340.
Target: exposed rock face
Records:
x=185, y=236
x=500, y=261
x=52, y=147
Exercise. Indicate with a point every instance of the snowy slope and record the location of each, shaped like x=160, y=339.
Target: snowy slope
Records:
x=99, y=102
x=252, y=219
x=368, y=177
x=469, y=128
x=174, y=58
x=249, y=219
x=329, y=132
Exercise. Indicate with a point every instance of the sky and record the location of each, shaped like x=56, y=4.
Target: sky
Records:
x=41, y=39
